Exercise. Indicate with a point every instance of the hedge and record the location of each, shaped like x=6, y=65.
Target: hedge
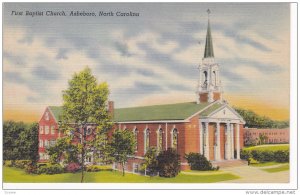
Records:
x=50, y=169
x=266, y=156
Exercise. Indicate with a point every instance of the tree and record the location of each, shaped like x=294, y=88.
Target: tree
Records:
x=262, y=138
x=63, y=149
x=122, y=145
x=150, y=163
x=254, y=120
x=84, y=103
x=20, y=141
x=168, y=163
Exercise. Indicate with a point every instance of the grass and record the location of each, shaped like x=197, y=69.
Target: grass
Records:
x=269, y=147
x=284, y=167
x=14, y=175
x=265, y=164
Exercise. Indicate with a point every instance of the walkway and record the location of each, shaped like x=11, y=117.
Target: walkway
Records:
x=251, y=174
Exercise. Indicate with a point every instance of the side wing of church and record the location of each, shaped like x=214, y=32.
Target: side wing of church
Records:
x=208, y=126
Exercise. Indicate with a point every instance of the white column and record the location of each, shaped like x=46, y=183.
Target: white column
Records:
x=227, y=144
x=232, y=141
x=201, y=138
x=166, y=133
x=207, y=141
x=238, y=141
x=218, y=142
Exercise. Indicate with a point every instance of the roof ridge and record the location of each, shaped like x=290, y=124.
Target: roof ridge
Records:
x=156, y=105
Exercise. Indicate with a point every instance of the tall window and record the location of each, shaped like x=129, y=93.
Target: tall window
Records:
x=136, y=138
x=46, y=129
x=214, y=78
x=41, y=129
x=52, y=129
x=160, y=140
x=174, y=138
x=147, y=140
x=41, y=143
x=46, y=143
x=205, y=79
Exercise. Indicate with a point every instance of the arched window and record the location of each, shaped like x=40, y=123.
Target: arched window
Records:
x=174, y=138
x=205, y=78
x=214, y=78
x=160, y=139
x=147, y=139
x=135, y=131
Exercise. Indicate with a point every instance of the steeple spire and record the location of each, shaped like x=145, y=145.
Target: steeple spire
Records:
x=209, y=50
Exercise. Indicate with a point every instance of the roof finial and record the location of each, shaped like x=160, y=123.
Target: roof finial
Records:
x=209, y=51
x=208, y=12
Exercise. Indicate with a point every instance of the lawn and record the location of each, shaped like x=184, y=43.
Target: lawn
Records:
x=269, y=147
x=14, y=175
x=284, y=167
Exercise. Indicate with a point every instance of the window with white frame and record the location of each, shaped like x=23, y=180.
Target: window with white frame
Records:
x=135, y=168
x=52, y=142
x=147, y=139
x=41, y=156
x=41, y=129
x=52, y=129
x=46, y=129
x=160, y=139
x=174, y=138
x=135, y=131
x=41, y=143
x=47, y=116
x=46, y=142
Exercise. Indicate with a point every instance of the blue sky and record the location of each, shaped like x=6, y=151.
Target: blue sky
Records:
x=150, y=59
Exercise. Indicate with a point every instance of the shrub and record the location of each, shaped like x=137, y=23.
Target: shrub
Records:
x=9, y=163
x=96, y=168
x=22, y=163
x=199, y=162
x=168, y=163
x=31, y=169
x=282, y=156
x=72, y=167
x=50, y=169
x=245, y=154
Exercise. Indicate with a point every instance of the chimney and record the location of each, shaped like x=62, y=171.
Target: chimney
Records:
x=111, y=108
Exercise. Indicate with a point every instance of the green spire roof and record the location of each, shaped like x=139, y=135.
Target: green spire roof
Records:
x=209, y=50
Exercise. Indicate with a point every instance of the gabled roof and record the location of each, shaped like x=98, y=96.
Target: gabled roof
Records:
x=178, y=111
x=56, y=111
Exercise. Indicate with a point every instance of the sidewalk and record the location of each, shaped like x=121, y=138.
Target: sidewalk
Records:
x=250, y=174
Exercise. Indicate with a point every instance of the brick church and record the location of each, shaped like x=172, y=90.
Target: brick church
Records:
x=208, y=126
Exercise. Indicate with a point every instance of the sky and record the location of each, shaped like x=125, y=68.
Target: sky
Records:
x=149, y=59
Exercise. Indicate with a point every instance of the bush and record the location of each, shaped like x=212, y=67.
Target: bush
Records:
x=282, y=156
x=9, y=163
x=199, y=162
x=72, y=167
x=266, y=156
x=245, y=154
x=96, y=168
x=168, y=163
x=22, y=163
x=31, y=169
x=50, y=169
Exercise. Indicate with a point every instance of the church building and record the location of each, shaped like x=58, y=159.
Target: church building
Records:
x=207, y=126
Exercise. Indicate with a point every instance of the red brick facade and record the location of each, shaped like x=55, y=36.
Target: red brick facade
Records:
x=251, y=135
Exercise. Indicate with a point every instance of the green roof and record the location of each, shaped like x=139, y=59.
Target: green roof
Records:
x=56, y=110
x=178, y=111
x=209, y=50
x=211, y=109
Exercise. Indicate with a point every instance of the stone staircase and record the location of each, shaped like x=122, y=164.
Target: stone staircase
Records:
x=229, y=163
